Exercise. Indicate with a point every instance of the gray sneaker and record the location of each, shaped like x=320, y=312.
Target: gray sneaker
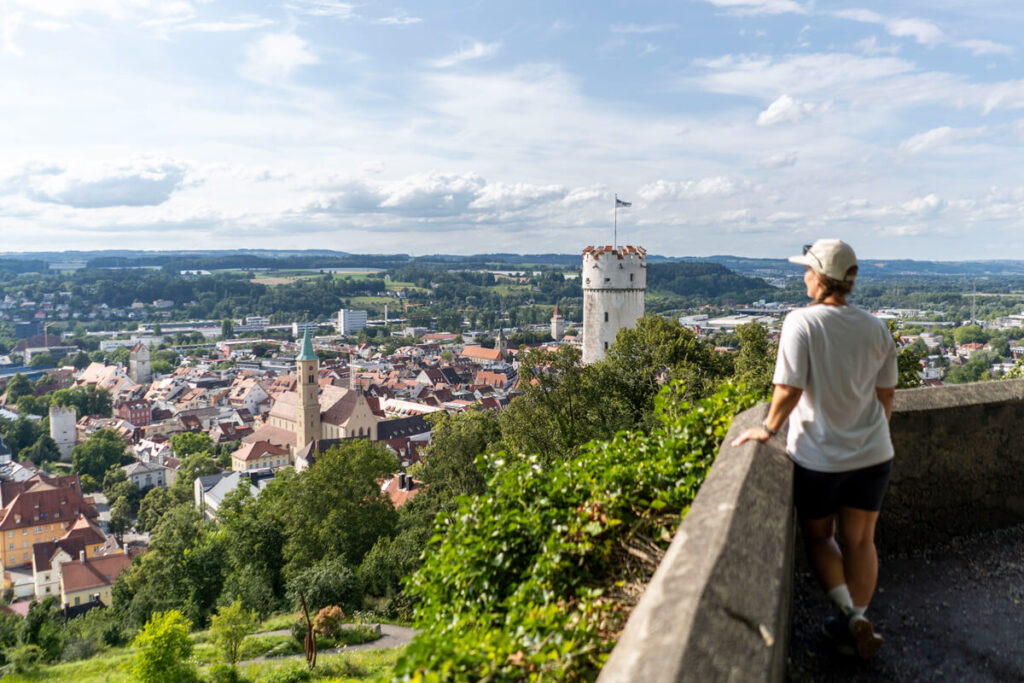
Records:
x=840, y=636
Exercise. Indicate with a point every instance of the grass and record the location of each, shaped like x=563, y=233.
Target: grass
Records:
x=370, y=665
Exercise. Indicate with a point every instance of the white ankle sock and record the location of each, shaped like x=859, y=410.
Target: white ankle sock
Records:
x=840, y=595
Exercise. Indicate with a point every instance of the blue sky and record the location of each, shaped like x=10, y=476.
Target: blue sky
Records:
x=745, y=127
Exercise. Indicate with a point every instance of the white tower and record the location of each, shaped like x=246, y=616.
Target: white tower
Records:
x=63, y=430
x=614, y=281
x=557, y=324
x=138, y=364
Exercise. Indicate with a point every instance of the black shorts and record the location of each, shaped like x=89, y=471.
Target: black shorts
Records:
x=820, y=494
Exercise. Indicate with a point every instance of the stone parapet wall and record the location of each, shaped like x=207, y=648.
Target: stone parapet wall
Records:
x=959, y=464
x=717, y=609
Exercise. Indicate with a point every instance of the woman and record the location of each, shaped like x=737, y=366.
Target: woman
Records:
x=835, y=379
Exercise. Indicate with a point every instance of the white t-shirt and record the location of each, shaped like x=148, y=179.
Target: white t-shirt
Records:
x=838, y=355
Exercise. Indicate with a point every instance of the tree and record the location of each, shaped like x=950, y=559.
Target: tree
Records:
x=229, y=627
x=161, y=650
x=227, y=328
x=20, y=433
x=101, y=451
x=42, y=627
x=456, y=441
x=17, y=387
x=80, y=360
x=43, y=450
x=336, y=507
x=654, y=352
x=183, y=570
x=755, y=363
x=563, y=405
x=154, y=504
x=187, y=443
x=88, y=483
x=328, y=582
x=192, y=466
x=42, y=360
x=120, y=518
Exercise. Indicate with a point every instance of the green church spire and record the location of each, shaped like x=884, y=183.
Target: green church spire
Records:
x=307, y=348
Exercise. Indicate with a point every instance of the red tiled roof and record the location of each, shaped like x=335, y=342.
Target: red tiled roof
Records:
x=97, y=572
x=254, y=451
x=44, y=504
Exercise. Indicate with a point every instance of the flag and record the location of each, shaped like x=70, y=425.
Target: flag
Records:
x=619, y=202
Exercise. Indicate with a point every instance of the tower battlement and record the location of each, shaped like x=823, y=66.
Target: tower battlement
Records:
x=614, y=281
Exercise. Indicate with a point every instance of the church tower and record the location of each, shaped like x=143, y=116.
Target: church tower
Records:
x=557, y=325
x=307, y=412
x=614, y=284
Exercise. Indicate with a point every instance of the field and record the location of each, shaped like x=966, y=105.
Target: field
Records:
x=111, y=665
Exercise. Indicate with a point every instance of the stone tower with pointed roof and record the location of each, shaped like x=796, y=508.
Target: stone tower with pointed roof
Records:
x=557, y=325
x=307, y=411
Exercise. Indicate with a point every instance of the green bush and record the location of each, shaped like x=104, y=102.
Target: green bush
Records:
x=533, y=579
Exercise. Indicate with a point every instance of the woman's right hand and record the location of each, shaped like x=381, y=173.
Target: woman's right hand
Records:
x=753, y=434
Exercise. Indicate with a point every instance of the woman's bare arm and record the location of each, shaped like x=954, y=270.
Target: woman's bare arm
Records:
x=784, y=399
x=886, y=396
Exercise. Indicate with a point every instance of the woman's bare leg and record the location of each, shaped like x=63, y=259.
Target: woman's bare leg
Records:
x=859, y=557
x=823, y=552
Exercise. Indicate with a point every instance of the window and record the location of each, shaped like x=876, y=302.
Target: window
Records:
x=631, y=277
x=11, y=547
x=24, y=544
x=606, y=316
x=606, y=346
x=24, y=532
x=78, y=600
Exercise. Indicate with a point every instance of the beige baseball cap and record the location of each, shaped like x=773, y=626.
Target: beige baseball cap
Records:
x=831, y=258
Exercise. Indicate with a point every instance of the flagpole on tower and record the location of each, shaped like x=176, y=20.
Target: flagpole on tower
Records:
x=615, y=235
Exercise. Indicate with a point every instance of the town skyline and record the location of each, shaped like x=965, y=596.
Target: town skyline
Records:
x=743, y=127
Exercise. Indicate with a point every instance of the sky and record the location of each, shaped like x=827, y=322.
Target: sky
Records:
x=744, y=127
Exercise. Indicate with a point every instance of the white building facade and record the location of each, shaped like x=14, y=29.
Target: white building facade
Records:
x=350, y=322
x=614, y=283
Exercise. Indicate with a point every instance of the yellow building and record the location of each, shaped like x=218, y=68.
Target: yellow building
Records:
x=42, y=512
x=90, y=580
x=259, y=455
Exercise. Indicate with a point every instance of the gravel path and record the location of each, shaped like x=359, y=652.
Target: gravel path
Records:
x=954, y=613
x=390, y=636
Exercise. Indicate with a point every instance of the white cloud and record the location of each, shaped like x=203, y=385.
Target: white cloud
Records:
x=766, y=77
x=922, y=31
x=641, y=28
x=778, y=160
x=477, y=50
x=242, y=23
x=133, y=185
x=399, y=20
x=323, y=8
x=114, y=9
x=760, y=6
x=929, y=205
x=937, y=137
x=439, y=196
x=11, y=21
x=736, y=215
x=275, y=57
x=985, y=47
x=714, y=186
x=871, y=47
x=784, y=110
